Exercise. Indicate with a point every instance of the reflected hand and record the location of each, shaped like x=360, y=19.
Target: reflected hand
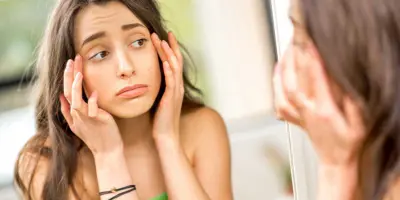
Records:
x=284, y=110
x=94, y=126
x=336, y=135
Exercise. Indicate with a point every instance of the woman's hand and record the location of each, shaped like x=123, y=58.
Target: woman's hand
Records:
x=336, y=135
x=166, y=122
x=94, y=126
x=284, y=110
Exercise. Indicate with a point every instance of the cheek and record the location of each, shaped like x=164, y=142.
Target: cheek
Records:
x=306, y=58
x=154, y=75
x=149, y=60
x=303, y=62
x=301, y=57
x=97, y=80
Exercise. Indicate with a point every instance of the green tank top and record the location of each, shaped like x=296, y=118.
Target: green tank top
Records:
x=163, y=196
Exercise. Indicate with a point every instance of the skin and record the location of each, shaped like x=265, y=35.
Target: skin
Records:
x=305, y=96
x=180, y=152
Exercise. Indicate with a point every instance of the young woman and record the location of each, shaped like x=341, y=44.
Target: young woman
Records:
x=339, y=81
x=117, y=115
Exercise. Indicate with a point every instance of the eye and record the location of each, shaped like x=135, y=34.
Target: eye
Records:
x=99, y=56
x=138, y=43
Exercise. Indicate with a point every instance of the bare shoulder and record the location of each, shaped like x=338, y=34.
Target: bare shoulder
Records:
x=201, y=122
x=204, y=133
x=394, y=190
x=206, y=115
x=200, y=125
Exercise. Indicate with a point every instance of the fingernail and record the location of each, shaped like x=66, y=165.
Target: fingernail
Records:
x=68, y=66
x=172, y=35
x=166, y=64
x=78, y=75
x=77, y=57
x=155, y=36
x=94, y=94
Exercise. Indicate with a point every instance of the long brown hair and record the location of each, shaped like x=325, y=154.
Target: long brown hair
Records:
x=359, y=42
x=56, y=48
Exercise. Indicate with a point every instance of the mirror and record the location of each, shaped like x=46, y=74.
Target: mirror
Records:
x=302, y=156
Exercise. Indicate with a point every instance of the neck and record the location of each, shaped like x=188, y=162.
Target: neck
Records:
x=136, y=131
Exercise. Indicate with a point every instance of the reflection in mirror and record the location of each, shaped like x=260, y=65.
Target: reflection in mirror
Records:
x=301, y=155
x=339, y=79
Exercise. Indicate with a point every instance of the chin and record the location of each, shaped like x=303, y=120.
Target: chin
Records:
x=132, y=108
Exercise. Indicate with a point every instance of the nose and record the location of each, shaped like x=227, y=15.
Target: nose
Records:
x=126, y=68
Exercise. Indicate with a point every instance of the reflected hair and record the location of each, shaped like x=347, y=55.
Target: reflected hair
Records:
x=359, y=42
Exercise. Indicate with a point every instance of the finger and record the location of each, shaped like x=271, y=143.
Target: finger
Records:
x=65, y=110
x=68, y=79
x=353, y=115
x=173, y=60
x=302, y=104
x=169, y=81
x=319, y=81
x=288, y=116
x=282, y=106
x=174, y=65
x=157, y=44
x=301, y=61
x=92, y=105
x=78, y=65
x=77, y=101
x=288, y=79
x=175, y=47
x=288, y=75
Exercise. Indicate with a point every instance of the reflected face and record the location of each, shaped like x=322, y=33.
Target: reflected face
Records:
x=303, y=50
x=300, y=37
x=117, y=53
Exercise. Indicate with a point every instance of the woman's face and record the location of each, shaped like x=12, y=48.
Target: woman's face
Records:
x=117, y=52
x=303, y=52
x=301, y=45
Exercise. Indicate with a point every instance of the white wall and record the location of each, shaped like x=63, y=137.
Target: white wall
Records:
x=237, y=54
x=239, y=59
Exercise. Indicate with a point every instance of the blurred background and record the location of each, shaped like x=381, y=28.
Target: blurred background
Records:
x=233, y=43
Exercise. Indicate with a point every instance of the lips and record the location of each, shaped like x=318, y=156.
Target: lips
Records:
x=133, y=91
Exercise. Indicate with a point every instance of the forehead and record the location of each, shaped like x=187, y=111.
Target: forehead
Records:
x=94, y=14
x=104, y=17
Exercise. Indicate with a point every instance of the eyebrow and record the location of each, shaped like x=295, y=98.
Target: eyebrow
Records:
x=131, y=26
x=98, y=35
x=93, y=37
